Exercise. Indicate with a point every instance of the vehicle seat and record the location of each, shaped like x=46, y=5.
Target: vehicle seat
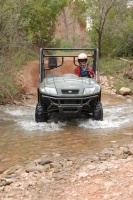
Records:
x=52, y=62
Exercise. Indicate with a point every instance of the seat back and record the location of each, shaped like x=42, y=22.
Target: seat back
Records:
x=52, y=62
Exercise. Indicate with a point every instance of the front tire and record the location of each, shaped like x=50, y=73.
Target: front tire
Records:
x=98, y=112
x=40, y=113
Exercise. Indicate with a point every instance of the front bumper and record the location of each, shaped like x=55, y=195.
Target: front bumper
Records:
x=71, y=105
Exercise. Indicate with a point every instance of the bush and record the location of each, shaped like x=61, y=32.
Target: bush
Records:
x=65, y=44
x=116, y=68
x=10, y=65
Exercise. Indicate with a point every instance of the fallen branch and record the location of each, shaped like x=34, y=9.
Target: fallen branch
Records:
x=129, y=61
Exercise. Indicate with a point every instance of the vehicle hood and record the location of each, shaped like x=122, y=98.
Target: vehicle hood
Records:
x=68, y=82
x=69, y=85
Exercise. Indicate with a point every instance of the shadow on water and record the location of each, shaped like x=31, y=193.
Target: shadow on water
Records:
x=22, y=140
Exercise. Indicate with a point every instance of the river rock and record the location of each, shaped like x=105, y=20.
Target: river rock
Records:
x=102, y=158
x=95, y=159
x=12, y=170
x=5, y=160
x=82, y=174
x=125, y=150
x=107, y=152
x=118, y=153
x=129, y=101
x=1, y=157
x=44, y=162
x=130, y=152
x=124, y=91
x=2, y=170
x=38, y=168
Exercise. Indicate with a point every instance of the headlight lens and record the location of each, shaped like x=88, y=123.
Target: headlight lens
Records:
x=89, y=90
x=49, y=90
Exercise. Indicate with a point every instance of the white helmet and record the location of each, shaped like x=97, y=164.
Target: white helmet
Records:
x=82, y=56
x=82, y=59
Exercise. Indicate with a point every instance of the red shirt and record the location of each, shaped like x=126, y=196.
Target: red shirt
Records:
x=88, y=69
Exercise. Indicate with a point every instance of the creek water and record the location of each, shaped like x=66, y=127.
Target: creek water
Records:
x=23, y=140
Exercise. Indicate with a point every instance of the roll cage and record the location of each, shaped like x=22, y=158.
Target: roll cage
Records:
x=49, y=53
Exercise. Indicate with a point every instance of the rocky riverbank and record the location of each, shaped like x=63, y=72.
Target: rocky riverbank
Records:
x=105, y=175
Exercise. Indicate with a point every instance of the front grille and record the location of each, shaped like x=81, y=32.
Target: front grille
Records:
x=70, y=101
x=70, y=91
x=70, y=109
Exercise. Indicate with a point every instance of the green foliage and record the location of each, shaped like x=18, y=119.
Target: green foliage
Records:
x=119, y=41
x=122, y=82
x=111, y=27
x=92, y=35
x=112, y=66
x=56, y=42
x=23, y=25
x=10, y=65
x=126, y=47
x=79, y=11
x=38, y=19
x=8, y=88
x=116, y=68
x=65, y=44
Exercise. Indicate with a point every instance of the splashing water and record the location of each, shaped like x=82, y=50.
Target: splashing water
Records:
x=101, y=124
x=31, y=126
x=114, y=116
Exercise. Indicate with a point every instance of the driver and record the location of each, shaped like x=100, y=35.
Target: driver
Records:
x=84, y=70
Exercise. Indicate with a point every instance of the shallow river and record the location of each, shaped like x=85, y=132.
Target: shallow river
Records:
x=22, y=139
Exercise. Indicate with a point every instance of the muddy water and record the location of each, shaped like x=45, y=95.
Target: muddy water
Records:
x=22, y=140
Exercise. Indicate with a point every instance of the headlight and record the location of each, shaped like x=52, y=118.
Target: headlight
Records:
x=49, y=90
x=89, y=90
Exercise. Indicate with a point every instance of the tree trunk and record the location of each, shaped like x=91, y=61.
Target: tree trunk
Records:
x=66, y=26
x=74, y=28
x=100, y=43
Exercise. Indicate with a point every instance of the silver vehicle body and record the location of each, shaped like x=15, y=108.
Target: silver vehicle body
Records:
x=67, y=94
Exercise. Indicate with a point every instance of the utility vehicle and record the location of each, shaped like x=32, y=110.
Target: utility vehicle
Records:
x=66, y=94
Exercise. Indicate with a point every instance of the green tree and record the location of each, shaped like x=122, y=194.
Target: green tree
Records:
x=117, y=37
x=106, y=17
x=11, y=37
x=126, y=39
x=38, y=19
